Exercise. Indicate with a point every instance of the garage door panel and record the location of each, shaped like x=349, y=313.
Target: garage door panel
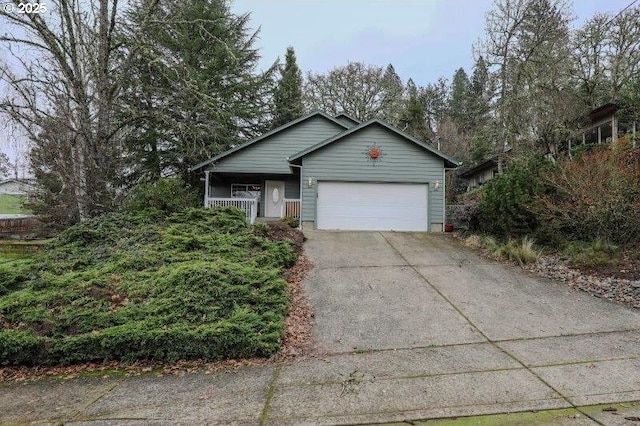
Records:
x=372, y=206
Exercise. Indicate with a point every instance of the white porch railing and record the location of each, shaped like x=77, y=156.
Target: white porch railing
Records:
x=291, y=208
x=248, y=205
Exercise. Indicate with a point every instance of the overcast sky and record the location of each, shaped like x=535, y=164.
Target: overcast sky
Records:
x=423, y=39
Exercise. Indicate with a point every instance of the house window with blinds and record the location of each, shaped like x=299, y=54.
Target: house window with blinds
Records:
x=243, y=190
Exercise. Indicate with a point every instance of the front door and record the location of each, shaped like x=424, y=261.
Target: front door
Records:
x=273, y=198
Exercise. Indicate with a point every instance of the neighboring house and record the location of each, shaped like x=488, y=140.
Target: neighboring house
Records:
x=485, y=171
x=603, y=125
x=333, y=173
x=15, y=186
x=481, y=173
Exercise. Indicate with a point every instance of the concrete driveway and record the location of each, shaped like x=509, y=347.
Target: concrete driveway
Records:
x=410, y=326
x=418, y=326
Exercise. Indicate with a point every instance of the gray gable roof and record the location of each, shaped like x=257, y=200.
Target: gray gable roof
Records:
x=449, y=162
x=348, y=117
x=265, y=136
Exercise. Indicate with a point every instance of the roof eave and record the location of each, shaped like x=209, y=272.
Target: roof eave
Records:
x=264, y=136
x=450, y=163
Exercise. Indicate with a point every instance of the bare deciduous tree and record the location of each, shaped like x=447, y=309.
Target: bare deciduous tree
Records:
x=527, y=50
x=606, y=56
x=360, y=90
x=64, y=68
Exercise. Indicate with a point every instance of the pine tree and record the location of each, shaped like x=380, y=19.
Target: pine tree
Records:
x=287, y=98
x=460, y=100
x=412, y=120
x=482, y=128
x=194, y=91
x=392, y=95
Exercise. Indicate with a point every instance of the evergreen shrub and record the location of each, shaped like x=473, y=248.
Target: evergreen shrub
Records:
x=197, y=284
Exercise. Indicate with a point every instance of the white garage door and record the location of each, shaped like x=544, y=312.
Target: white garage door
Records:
x=372, y=206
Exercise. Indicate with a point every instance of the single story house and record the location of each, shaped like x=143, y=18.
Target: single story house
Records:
x=480, y=173
x=16, y=186
x=333, y=173
x=486, y=170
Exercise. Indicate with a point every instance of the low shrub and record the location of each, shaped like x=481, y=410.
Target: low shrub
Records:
x=521, y=251
x=595, y=253
x=464, y=216
x=291, y=221
x=261, y=229
x=595, y=196
x=197, y=284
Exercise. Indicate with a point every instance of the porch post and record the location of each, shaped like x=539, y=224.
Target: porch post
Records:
x=206, y=187
x=301, y=187
x=300, y=206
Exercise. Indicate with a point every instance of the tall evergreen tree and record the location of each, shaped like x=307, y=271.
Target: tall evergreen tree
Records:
x=287, y=98
x=460, y=100
x=481, y=126
x=412, y=119
x=195, y=91
x=392, y=95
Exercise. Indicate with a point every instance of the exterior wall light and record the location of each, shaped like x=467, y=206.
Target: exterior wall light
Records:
x=437, y=184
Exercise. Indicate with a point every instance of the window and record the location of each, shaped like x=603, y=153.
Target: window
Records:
x=244, y=190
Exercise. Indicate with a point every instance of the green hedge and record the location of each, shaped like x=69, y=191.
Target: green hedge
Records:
x=197, y=284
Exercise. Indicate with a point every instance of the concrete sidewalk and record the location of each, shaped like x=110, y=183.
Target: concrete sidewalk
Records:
x=411, y=326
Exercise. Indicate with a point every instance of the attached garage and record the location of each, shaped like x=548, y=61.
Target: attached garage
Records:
x=334, y=173
x=372, y=177
x=372, y=206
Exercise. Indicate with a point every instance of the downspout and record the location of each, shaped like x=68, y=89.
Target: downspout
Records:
x=300, y=167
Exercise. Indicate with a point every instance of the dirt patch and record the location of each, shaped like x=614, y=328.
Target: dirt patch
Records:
x=298, y=340
x=281, y=231
x=121, y=369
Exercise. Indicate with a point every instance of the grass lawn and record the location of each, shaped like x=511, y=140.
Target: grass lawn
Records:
x=12, y=204
x=199, y=284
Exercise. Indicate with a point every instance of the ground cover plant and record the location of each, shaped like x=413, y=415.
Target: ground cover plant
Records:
x=195, y=284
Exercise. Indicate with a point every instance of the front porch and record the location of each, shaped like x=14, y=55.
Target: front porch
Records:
x=289, y=207
x=259, y=196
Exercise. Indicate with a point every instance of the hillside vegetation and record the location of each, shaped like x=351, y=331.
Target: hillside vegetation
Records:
x=198, y=284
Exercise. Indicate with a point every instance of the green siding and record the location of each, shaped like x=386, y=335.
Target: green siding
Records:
x=292, y=187
x=270, y=154
x=346, y=160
